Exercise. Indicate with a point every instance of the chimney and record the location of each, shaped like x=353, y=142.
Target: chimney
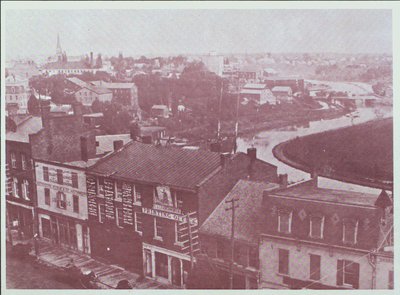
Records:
x=283, y=180
x=84, y=149
x=45, y=112
x=252, y=153
x=215, y=147
x=118, y=144
x=77, y=107
x=314, y=177
x=91, y=58
x=224, y=158
x=134, y=131
x=147, y=139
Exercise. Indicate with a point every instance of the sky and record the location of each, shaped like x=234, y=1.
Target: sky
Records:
x=168, y=32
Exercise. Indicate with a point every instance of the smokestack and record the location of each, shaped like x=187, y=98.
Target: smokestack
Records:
x=84, y=149
x=91, y=59
x=224, y=158
x=252, y=153
x=283, y=180
x=118, y=144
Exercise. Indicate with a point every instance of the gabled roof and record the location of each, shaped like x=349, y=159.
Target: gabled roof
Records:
x=29, y=126
x=157, y=164
x=249, y=216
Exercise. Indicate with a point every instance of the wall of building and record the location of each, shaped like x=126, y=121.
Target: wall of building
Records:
x=299, y=263
x=384, y=265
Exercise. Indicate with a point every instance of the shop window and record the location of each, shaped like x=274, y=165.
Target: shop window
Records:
x=350, y=228
x=315, y=267
x=158, y=229
x=285, y=222
x=47, y=196
x=119, y=217
x=283, y=262
x=23, y=162
x=161, y=265
x=13, y=160
x=138, y=223
x=391, y=280
x=45, y=173
x=60, y=179
x=102, y=213
x=61, y=200
x=253, y=257
x=75, y=203
x=348, y=273
x=74, y=177
x=316, y=227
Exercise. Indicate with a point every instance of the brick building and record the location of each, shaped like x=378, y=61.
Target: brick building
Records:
x=139, y=198
x=215, y=234
x=62, y=150
x=317, y=238
x=21, y=190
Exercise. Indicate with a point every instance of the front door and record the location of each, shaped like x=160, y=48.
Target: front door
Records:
x=176, y=271
x=148, y=268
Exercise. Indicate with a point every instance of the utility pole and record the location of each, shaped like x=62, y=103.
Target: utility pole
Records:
x=237, y=113
x=219, y=111
x=233, y=207
x=190, y=241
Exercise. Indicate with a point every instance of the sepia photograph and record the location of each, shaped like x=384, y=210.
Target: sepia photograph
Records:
x=148, y=146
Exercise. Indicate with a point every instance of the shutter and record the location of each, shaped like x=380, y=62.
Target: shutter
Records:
x=339, y=273
x=356, y=272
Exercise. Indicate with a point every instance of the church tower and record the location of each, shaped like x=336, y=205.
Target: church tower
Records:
x=59, y=52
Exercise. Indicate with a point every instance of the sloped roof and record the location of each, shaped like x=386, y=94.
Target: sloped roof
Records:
x=157, y=164
x=106, y=142
x=249, y=216
x=29, y=126
x=77, y=81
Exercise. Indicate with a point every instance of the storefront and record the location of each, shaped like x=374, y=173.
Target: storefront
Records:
x=164, y=265
x=20, y=218
x=66, y=232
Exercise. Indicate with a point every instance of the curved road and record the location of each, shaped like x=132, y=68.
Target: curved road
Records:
x=266, y=140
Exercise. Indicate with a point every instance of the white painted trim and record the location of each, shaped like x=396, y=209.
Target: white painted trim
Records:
x=166, y=251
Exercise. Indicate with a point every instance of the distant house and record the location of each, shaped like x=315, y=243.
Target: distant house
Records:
x=88, y=93
x=283, y=93
x=159, y=111
x=17, y=95
x=250, y=73
x=295, y=83
x=257, y=93
x=94, y=119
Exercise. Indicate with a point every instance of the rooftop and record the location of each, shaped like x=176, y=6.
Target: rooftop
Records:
x=111, y=85
x=106, y=142
x=159, y=106
x=255, y=86
x=249, y=216
x=65, y=65
x=308, y=191
x=251, y=91
x=94, y=115
x=26, y=127
x=156, y=164
x=281, y=88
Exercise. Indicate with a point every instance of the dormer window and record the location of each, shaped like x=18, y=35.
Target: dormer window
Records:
x=317, y=227
x=285, y=221
x=350, y=228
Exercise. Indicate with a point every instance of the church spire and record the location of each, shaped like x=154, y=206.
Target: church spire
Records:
x=58, y=50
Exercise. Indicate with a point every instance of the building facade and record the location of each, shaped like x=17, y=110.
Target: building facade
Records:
x=142, y=198
x=325, y=239
x=257, y=93
x=17, y=95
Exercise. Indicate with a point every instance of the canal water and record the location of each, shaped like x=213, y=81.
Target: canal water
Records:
x=265, y=141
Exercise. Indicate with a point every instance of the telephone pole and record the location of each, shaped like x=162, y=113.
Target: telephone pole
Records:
x=233, y=207
x=190, y=241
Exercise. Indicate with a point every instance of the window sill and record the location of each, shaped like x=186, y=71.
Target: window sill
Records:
x=282, y=274
x=158, y=239
x=139, y=233
x=137, y=204
x=251, y=268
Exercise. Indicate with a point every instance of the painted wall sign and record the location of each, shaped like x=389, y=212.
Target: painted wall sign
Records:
x=61, y=188
x=163, y=196
x=166, y=208
x=127, y=200
x=162, y=214
x=109, y=198
x=91, y=195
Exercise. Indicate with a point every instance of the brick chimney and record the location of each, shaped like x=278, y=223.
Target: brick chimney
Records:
x=314, y=177
x=77, y=107
x=84, y=149
x=252, y=153
x=45, y=112
x=118, y=144
x=224, y=157
x=215, y=147
x=283, y=180
x=134, y=131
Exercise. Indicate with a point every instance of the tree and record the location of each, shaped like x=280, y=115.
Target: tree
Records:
x=203, y=275
x=33, y=106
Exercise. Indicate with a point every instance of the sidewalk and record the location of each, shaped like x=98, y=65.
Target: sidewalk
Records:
x=108, y=275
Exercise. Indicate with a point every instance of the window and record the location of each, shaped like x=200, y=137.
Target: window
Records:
x=285, y=222
x=179, y=201
x=15, y=187
x=13, y=160
x=75, y=200
x=25, y=189
x=283, y=262
x=74, y=177
x=253, y=257
x=23, y=162
x=220, y=249
x=47, y=196
x=61, y=200
x=158, y=229
x=348, y=273
x=45, y=173
x=315, y=267
x=138, y=222
x=119, y=217
x=391, y=280
x=118, y=191
x=100, y=187
x=240, y=254
x=137, y=195
x=350, y=231
x=102, y=213
x=317, y=227
x=60, y=179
